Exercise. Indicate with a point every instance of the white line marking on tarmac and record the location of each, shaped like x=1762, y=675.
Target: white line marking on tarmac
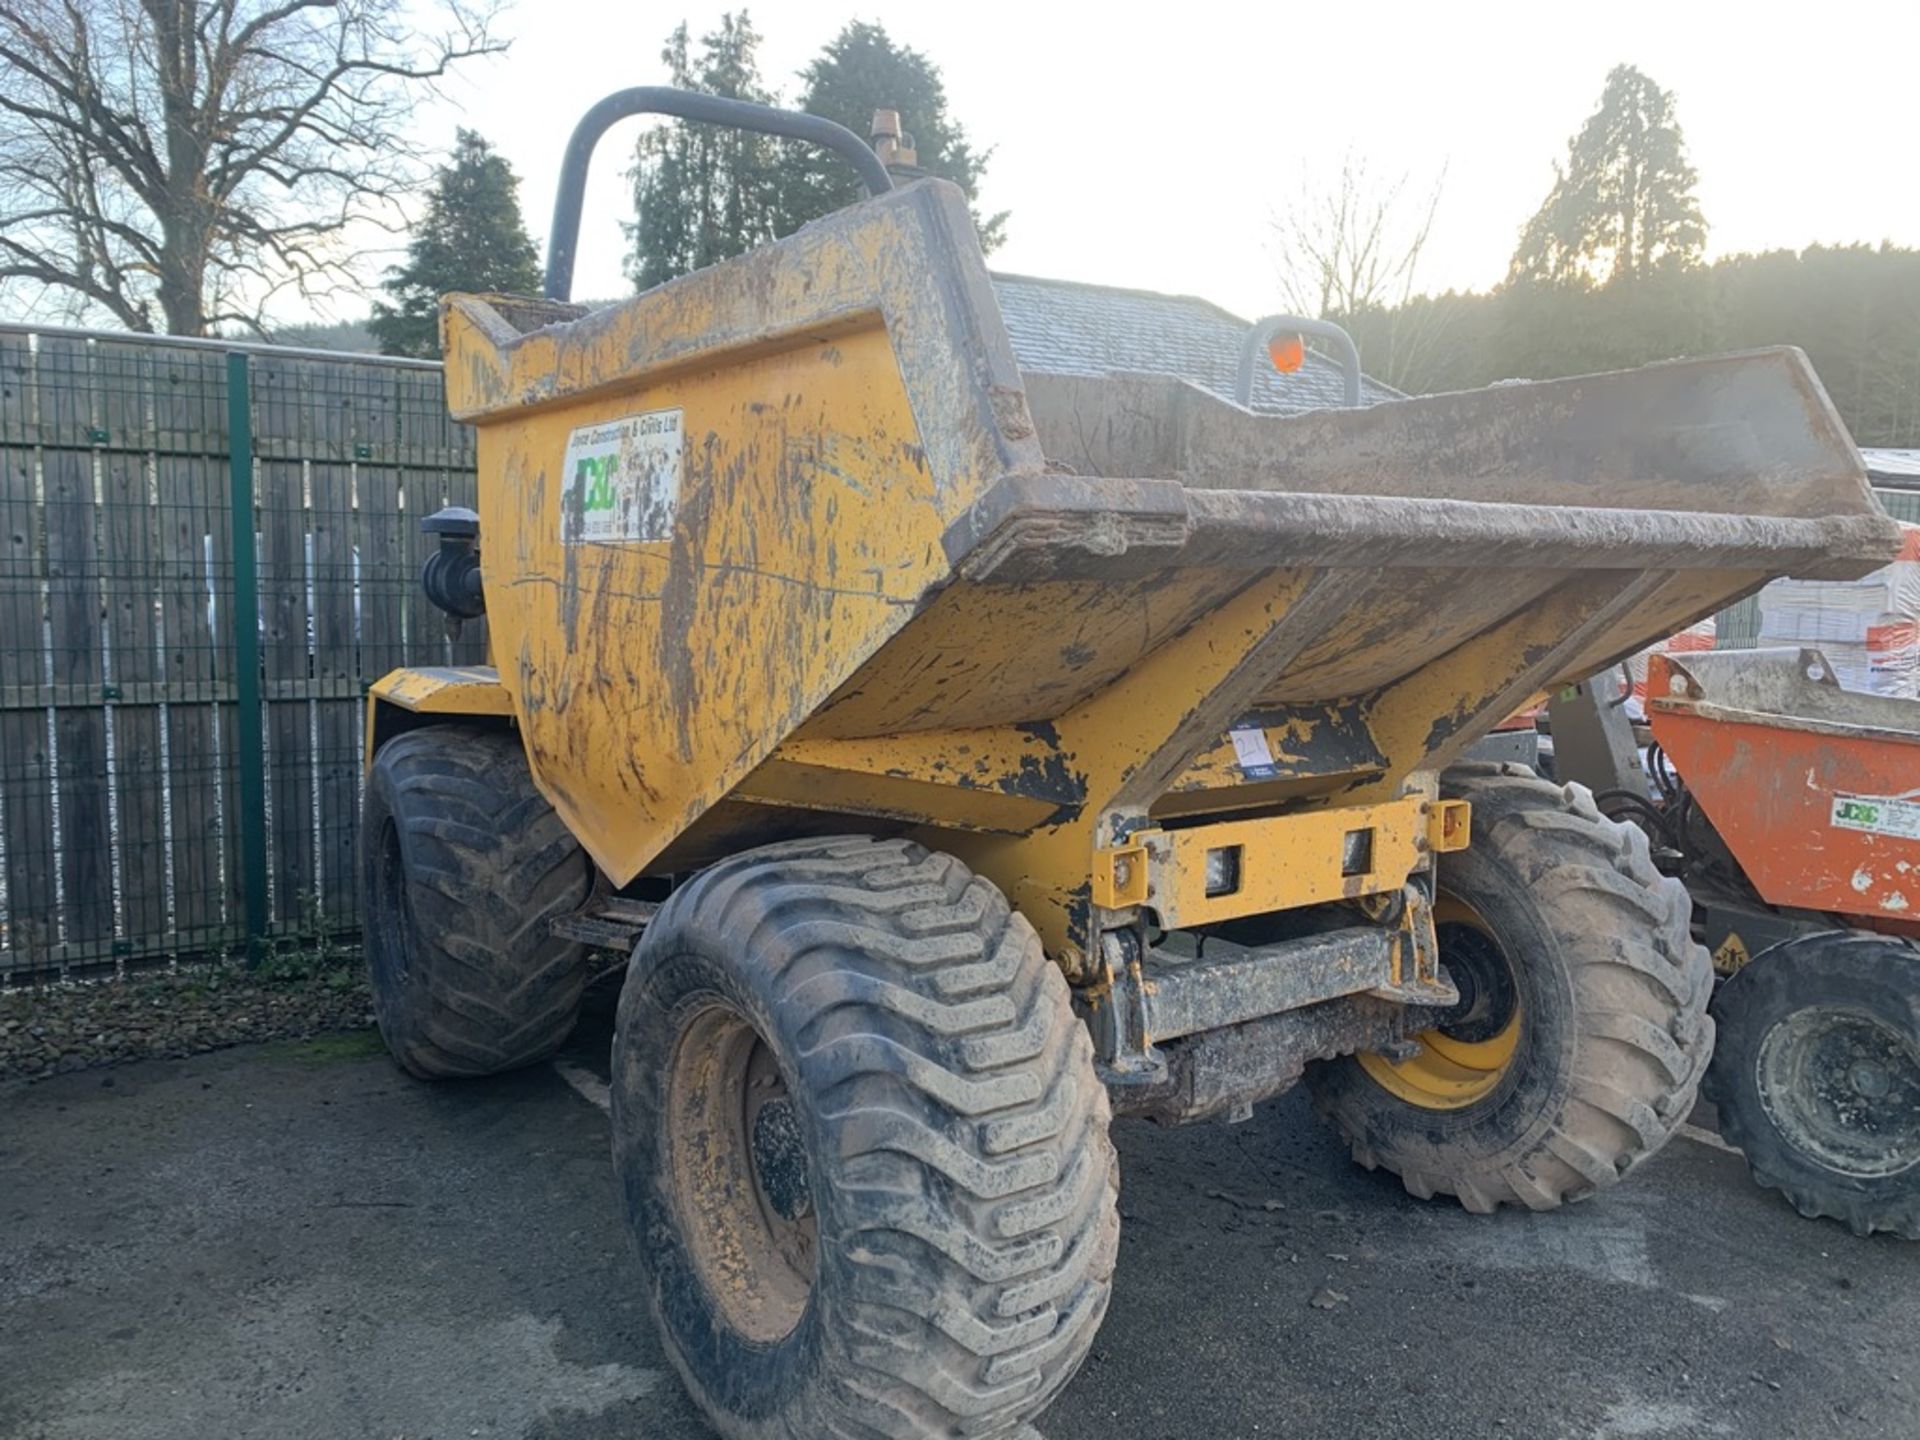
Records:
x=589, y=1086
x=1693, y=1133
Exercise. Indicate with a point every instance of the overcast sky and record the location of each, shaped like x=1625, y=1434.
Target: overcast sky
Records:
x=1151, y=144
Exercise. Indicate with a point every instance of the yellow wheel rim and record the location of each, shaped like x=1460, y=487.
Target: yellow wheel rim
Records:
x=1446, y=1073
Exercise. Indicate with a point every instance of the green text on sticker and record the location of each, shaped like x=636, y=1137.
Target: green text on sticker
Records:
x=595, y=473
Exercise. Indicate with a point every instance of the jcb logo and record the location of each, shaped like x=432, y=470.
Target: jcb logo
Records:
x=1858, y=811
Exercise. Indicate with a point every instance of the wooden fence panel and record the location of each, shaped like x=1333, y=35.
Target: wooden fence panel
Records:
x=336, y=677
x=386, y=551
x=29, y=928
x=195, y=599
x=121, y=818
x=421, y=493
x=437, y=456
x=76, y=653
x=282, y=436
x=131, y=573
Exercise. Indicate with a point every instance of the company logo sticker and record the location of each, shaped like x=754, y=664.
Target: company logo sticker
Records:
x=623, y=479
x=1896, y=815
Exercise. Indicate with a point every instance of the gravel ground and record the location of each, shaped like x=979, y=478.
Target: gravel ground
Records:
x=49, y=1030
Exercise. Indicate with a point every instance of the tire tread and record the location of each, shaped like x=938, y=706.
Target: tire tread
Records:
x=966, y=1126
x=489, y=867
x=1640, y=987
x=1769, y=979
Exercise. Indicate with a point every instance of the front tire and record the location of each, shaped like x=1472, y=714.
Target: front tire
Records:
x=1582, y=1032
x=1817, y=1076
x=463, y=867
x=862, y=1147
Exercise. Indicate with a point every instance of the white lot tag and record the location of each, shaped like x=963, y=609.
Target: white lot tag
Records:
x=1877, y=815
x=622, y=479
x=1250, y=748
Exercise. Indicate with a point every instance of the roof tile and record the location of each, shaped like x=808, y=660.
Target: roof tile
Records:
x=1067, y=327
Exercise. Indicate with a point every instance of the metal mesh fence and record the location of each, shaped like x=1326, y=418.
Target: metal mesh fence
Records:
x=170, y=784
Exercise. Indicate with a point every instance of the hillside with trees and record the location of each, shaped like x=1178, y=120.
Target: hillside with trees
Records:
x=1608, y=273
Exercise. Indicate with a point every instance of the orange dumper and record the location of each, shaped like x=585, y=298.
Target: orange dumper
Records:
x=1793, y=808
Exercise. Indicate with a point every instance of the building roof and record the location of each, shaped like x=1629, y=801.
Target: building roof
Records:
x=1897, y=468
x=1066, y=327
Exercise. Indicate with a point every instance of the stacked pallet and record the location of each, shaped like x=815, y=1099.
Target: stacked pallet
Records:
x=1690, y=641
x=1869, y=629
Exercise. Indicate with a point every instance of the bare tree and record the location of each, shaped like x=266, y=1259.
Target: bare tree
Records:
x=1349, y=248
x=1353, y=243
x=175, y=163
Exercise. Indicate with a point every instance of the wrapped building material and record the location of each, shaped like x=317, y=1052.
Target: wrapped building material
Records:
x=1869, y=629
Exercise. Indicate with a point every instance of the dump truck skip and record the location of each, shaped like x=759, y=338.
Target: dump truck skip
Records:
x=966, y=756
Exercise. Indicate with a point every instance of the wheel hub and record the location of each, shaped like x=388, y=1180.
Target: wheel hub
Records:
x=780, y=1159
x=1471, y=959
x=1869, y=1080
x=1463, y=1058
x=1843, y=1088
x=741, y=1178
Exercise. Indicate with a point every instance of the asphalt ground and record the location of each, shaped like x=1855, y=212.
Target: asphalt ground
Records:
x=295, y=1241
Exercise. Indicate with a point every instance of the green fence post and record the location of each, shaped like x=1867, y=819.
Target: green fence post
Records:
x=250, y=741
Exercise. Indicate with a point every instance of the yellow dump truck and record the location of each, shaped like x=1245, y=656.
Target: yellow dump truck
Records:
x=967, y=756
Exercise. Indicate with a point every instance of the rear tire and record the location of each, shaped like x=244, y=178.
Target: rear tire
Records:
x=862, y=1147
x=1817, y=1076
x=463, y=868
x=1609, y=1031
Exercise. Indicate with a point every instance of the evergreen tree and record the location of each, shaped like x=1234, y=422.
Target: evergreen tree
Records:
x=472, y=238
x=1624, y=204
x=702, y=193
x=862, y=70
